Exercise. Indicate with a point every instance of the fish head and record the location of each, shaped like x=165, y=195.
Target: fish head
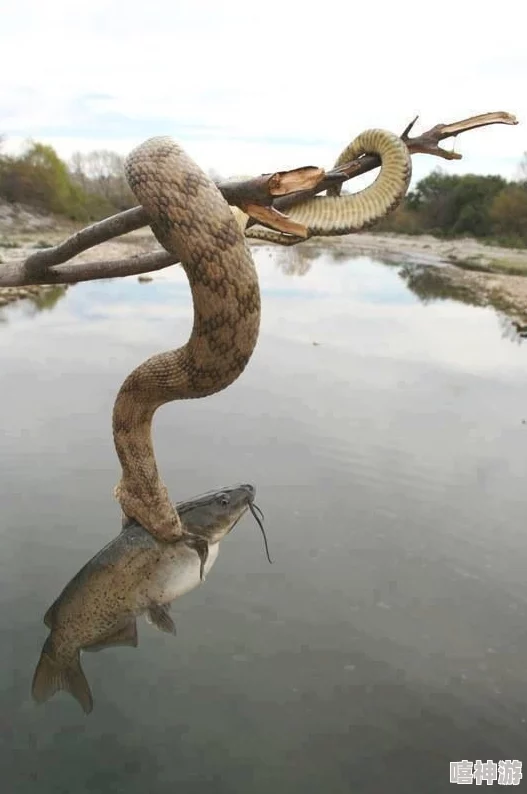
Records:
x=212, y=515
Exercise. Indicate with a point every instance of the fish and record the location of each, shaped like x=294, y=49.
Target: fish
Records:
x=133, y=575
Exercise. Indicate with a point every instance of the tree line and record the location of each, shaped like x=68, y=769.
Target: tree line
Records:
x=92, y=186
x=89, y=187
x=489, y=207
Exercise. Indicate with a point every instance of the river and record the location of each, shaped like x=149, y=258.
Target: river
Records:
x=386, y=434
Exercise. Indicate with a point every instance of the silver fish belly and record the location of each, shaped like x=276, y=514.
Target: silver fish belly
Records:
x=179, y=573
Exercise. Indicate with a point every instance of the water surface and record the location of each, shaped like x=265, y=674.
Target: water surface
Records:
x=386, y=435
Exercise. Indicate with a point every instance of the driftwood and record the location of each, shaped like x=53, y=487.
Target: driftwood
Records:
x=263, y=198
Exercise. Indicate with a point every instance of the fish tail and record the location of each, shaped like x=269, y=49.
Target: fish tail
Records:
x=51, y=677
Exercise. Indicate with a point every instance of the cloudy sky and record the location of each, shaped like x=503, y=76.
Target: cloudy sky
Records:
x=248, y=87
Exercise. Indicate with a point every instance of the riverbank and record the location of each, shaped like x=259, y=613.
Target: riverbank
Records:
x=465, y=253
x=478, y=273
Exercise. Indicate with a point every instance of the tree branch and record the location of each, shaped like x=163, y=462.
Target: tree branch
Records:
x=90, y=236
x=264, y=198
x=252, y=195
x=12, y=273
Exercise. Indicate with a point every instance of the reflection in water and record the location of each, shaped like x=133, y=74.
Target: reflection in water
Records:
x=430, y=285
x=131, y=575
x=511, y=329
x=292, y=261
x=33, y=301
x=297, y=260
x=48, y=299
x=427, y=283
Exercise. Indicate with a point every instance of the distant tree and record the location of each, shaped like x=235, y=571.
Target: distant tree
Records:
x=101, y=173
x=508, y=214
x=455, y=204
x=40, y=178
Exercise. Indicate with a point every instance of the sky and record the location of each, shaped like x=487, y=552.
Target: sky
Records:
x=249, y=87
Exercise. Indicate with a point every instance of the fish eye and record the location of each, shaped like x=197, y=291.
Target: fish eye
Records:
x=223, y=499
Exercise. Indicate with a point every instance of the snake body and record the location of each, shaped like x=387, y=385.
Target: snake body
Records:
x=191, y=219
x=333, y=214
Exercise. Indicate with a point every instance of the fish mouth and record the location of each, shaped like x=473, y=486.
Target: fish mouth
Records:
x=251, y=490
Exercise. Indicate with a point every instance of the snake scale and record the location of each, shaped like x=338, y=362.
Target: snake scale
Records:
x=191, y=219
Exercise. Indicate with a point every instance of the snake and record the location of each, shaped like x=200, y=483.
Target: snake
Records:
x=335, y=214
x=192, y=220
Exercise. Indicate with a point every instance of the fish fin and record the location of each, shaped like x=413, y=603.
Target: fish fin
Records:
x=125, y=636
x=201, y=547
x=48, y=617
x=50, y=678
x=159, y=616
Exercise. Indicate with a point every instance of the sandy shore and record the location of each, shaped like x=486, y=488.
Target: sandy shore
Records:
x=462, y=269
x=425, y=249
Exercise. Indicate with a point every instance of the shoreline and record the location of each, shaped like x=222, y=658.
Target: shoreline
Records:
x=465, y=253
x=464, y=268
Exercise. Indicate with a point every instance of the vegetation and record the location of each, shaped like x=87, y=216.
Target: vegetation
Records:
x=92, y=186
x=489, y=208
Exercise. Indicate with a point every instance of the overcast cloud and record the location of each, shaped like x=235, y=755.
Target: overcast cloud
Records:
x=249, y=87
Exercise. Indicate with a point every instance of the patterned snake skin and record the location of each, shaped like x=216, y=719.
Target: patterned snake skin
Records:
x=192, y=220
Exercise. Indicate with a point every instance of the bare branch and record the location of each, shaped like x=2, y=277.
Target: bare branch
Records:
x=90, y=236
x=264, y=198
x=12, y=274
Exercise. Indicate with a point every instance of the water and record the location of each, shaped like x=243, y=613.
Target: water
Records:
x=388, y=638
